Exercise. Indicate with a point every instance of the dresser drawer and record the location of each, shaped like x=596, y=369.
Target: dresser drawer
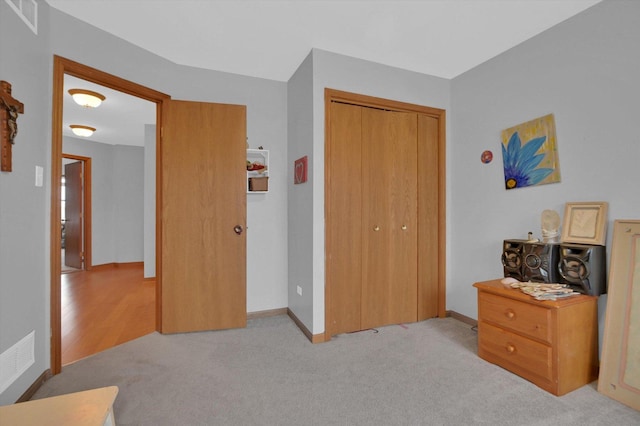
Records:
x=525, y=318
x=525, y=357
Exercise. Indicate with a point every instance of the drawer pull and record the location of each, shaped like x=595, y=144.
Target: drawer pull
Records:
x=509, y=314
x=510, y=348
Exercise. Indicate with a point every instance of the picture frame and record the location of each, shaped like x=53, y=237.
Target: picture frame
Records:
x=619, y=376
x=585, y=223
x=530, y=153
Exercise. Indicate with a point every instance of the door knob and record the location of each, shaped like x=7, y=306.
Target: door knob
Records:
x=404, y=227
x=238, y=229
x=376, y=228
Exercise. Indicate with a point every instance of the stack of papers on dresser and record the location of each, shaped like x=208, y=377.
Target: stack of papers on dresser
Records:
x=546, y=291
x=542, y=291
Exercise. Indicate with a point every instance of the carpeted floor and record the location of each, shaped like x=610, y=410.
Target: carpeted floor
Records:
x=425, y=373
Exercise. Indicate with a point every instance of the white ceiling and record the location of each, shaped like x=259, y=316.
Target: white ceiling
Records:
x=119, y=120
x=270, y=38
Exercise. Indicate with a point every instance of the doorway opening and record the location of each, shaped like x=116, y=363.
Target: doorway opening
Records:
x=75, y=213
x=208, y=140
x=64, y=67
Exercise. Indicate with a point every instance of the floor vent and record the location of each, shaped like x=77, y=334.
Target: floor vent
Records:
x=16, y=360
x=27, y=10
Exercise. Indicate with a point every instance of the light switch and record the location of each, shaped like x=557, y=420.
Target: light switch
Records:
x=39, y=175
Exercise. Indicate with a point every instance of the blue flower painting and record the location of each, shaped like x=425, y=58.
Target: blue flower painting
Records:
x=535, y=161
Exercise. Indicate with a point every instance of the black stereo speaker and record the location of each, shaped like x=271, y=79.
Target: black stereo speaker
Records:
x=534, y=261
x=512, y=258
x=584, y=268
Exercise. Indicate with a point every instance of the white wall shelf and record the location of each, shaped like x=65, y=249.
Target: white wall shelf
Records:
x=257, y=171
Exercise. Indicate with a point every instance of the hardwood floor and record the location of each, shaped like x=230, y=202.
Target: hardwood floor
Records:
x=104, y=307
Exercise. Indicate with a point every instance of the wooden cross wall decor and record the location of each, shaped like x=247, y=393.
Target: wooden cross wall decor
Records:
x=9, y=110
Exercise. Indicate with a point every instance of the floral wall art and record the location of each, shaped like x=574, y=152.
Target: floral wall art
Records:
x=530, y=154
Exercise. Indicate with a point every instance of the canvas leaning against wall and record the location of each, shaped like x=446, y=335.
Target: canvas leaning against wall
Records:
x=530, y=153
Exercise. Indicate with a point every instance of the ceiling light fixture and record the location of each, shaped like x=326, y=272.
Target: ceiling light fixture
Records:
x=84, y=131
x=86, y=98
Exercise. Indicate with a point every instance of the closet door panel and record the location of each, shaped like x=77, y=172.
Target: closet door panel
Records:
x=377, y=179
x=428, y=213
x=403, y=199
x=344, y=207
x=389, y=221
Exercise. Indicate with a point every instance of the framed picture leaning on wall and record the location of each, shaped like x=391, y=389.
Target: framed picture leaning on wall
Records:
x=619, y=368
x=585, y=223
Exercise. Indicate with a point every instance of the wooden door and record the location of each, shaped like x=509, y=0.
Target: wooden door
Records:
x=344, y=235
x=203, y=213
x=389, y=220
x=73, y=238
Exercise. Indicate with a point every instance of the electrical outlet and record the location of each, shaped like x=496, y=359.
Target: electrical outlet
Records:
x=299, y=290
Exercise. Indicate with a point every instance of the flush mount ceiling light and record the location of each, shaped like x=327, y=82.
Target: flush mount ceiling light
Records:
x=84, y=131
x=86, y=98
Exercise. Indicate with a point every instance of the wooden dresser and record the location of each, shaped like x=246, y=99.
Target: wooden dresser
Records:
x=553, y=344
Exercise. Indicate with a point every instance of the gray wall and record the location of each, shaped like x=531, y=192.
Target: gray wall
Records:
x=149, y=201
x=301, y=219
x=128, y=196
x=586, y=72
x=117, y=199
x=24, y=217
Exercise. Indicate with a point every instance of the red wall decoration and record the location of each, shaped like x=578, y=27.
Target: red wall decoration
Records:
x=300, y=170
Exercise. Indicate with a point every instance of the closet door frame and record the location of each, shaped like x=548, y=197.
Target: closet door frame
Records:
x=438, y=211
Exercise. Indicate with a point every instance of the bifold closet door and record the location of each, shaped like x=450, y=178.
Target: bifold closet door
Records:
x=344, y=207
x=429, y=251
x=389, y=217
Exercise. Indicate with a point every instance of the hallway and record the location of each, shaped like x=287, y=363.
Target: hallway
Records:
x=104, y=307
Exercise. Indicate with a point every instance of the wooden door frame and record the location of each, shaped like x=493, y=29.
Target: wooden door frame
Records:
x=332, y=95
x=86, y=207
x=62, y=66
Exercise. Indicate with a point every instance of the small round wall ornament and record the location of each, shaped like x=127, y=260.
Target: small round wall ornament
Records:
x=486, y=157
